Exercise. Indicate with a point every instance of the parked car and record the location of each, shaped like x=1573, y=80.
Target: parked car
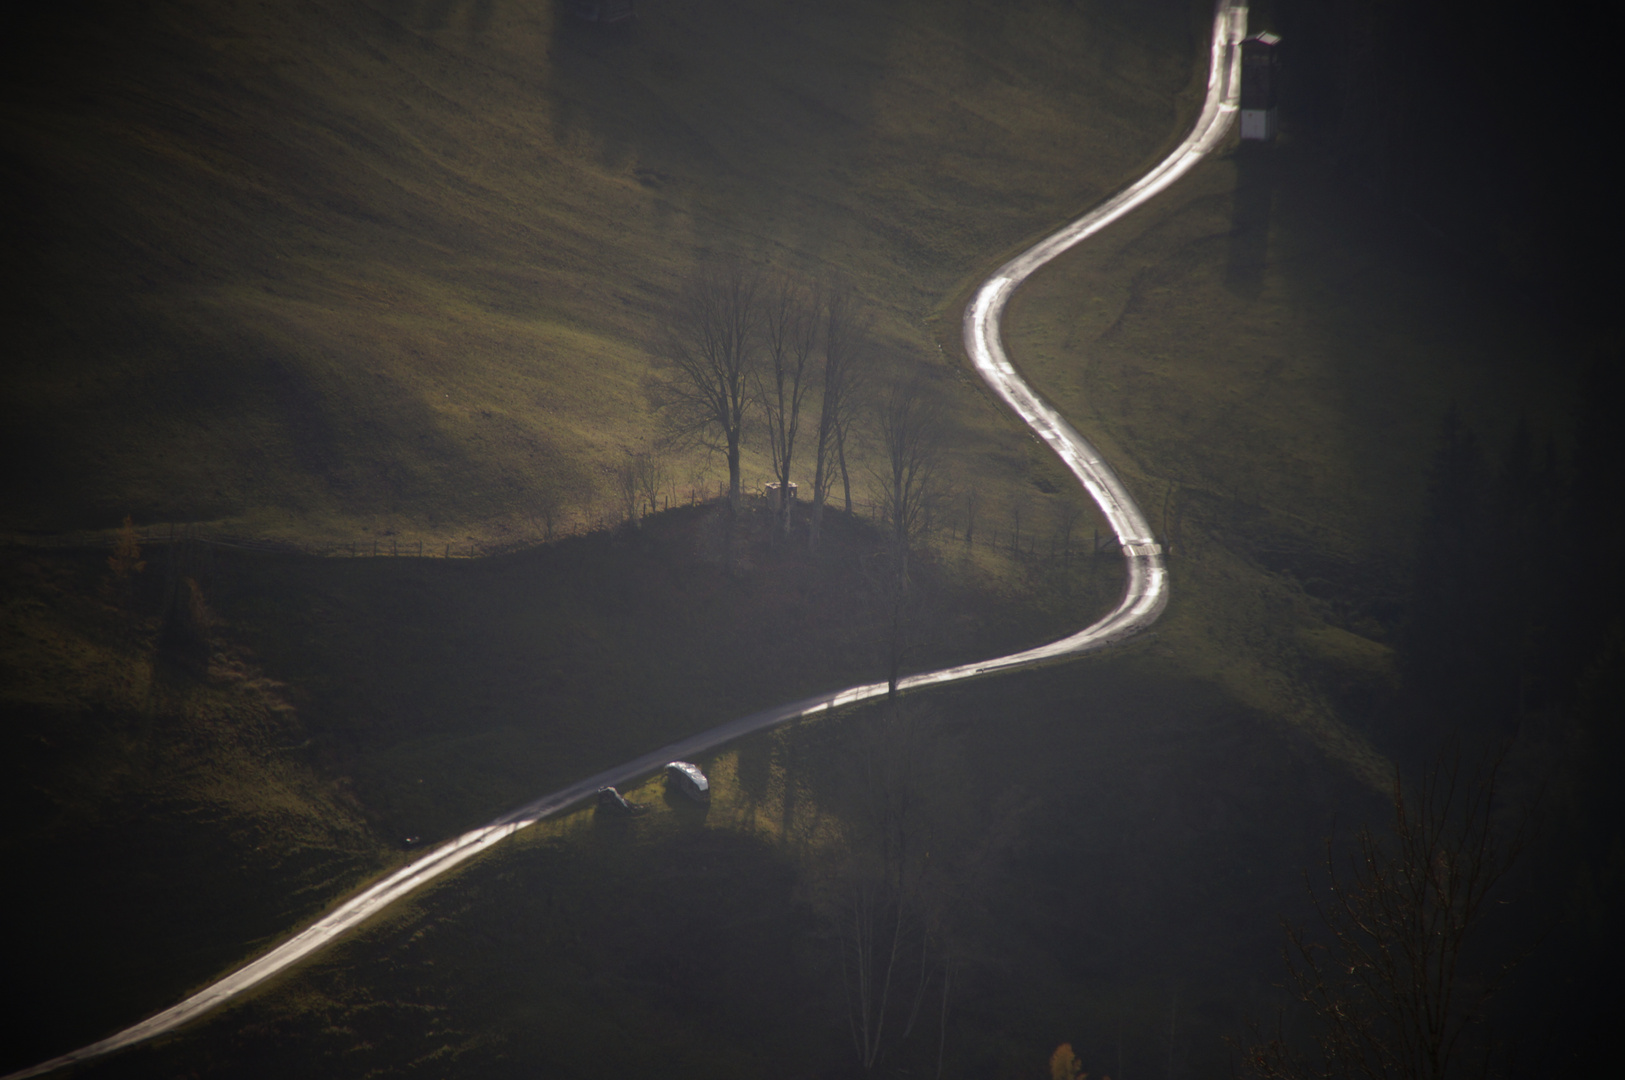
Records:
x=689, y=780
x=613, y=802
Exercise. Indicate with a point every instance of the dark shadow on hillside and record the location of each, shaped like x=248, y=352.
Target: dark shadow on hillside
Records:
x=653, y=101
x=1248, y=254
x=431, y=15
x=1127, y=839
x=648, y=94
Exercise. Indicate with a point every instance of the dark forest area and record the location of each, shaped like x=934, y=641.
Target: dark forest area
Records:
x=1479, y=123
x=1515, y=639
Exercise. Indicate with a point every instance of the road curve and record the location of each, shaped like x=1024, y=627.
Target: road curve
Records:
x=1144, y=597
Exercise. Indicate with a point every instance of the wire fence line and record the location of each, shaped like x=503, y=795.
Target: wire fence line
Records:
x=389, y=544
x=157, y=536
x=1000, y=536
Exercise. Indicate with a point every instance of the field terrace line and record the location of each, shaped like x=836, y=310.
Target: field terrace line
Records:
x=1144, y=597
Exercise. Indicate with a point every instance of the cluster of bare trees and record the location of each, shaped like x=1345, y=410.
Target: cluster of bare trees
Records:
x=640, y=478
x=908, y=424
x=746, y=347
x=743, y=346
x=888, y=902
x=904, y=897
x=1389, y=979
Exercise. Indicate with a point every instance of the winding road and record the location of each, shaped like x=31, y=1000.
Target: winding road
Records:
x=1143, y=599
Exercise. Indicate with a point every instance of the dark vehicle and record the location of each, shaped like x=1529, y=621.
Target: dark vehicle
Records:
x=611, y=801
x=688, y=779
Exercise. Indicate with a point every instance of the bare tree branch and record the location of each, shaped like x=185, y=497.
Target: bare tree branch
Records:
x=1384, y=978
x=790, y=335
x=843, y=379
x=908, y=422
x=701, y=383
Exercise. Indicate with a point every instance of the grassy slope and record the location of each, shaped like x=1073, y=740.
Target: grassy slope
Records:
x=334, y=269
x=169, y=824
x=1269, y=361
x=1285, y=385
x=341, y=269
x=132, y=789
x=451, y=690
x=1140, y=835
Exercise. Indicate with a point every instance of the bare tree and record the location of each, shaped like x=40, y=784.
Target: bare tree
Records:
x=704, y=363
x=543, y=511
x=625, y=478
x=973, y=503
x=903, y=613
x=887, y=910
x=922, y=847
x=843, y=377
x=638, y=480
x=1017, y=510
x=1386, y=979
x=649, y=474
x=908, y=423
x=790, y=334
x=1066, y=523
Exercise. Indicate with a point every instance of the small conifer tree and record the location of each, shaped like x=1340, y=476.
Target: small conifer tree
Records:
x=126, y=558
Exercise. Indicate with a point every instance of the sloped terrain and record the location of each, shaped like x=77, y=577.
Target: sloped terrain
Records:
x=341, y=270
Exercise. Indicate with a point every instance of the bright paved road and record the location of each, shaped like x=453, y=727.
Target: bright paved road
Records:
x=1144, y=597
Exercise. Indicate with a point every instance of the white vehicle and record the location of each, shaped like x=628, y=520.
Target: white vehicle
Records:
x=689, y=780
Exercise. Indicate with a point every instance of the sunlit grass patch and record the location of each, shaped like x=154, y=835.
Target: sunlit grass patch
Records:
x=367, y=272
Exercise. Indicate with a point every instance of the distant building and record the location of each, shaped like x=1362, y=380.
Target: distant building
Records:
x=1260, y=82
x=602, y=11
x=772, y=490
x=688, y=779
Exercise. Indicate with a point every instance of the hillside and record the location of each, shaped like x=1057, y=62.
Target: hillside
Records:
x=362, y=272
x=336, y=271
x=174, y=810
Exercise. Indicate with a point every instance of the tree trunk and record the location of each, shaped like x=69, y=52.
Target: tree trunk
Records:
x=846, y=478
x=733, y=473
x=817, y=520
